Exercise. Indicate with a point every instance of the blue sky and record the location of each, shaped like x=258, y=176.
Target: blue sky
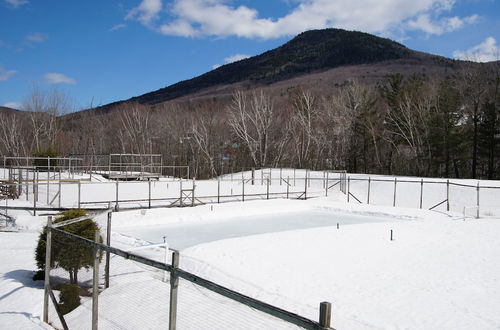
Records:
x=104, y=51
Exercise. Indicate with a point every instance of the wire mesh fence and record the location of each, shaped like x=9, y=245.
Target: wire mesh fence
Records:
x=142, y=286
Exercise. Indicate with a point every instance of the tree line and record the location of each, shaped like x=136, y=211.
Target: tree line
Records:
x=404, y=125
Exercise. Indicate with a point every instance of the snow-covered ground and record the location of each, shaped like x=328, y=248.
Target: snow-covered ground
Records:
x=441, y=271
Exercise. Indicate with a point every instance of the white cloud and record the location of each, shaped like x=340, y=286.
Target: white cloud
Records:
x=16, y=3
x=147, y=11
x=37, y=37
x=198, y=18
x=231, y=59
x=117, y=27
x=6, y=74
x=58, y=78
x=13, y=105
x=484, y=52
x=445, y=24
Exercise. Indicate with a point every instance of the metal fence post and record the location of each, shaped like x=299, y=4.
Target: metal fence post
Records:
x=348, y=187
x=174, y=284
x=48, y=252
x=243, y=189
x=59, y=197
x=305, y=187
x=116, y=191
x=79, y=193
x=48, y=179
x=477, y=212
x=218, y=190
x=325, y=314
x=447, y=195
x=421, y=192
x=267, y=196
x=395, y=184
x=108, y=243
x=149, y=193
x=326, y=186
x=95, y=283
x=287, y=186
x=368, y=195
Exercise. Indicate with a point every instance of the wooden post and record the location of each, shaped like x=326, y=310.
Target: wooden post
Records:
x=95, y=283
x=108, y=243
x=447, y=195
x=149, y=193
x=180, y=186
x=174, y=284
x=391, y=235
x=48, y=252
x=325, y=315
x=294, y=176
x=395, y=184
x=281, y=177
x=253, y=176
x=79, y=193
x=368, y=195
x=421, y=192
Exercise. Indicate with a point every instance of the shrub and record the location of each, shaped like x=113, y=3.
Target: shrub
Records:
x=69, y=298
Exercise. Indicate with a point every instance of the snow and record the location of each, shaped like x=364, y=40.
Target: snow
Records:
x=441, y=271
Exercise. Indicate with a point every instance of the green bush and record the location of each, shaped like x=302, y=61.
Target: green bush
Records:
x=42, y=164
x=69, y=298
x=67, y=253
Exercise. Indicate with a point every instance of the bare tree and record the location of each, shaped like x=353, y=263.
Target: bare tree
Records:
x=12, y=135
x=252, y=122
x=134, y=134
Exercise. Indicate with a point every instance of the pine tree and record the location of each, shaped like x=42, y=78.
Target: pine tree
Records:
x=67, y=253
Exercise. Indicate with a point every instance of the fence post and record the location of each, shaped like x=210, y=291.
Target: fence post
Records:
x=326, y=186
x=421, y=191
x=477, y=212
x=174, y=284
x=243, y=188
x=48, y=179
x=108, y=243
x=218, y=190
x=79, y=193
x=267, y=196
x=305, y=187
x=48, y=252
x=447, y=195
x=253, y=175
x=59, y=197
x=149, y=193
x=348, y=188
x=116, y=192
x=395, y=184
x=281, y=177
x=287, y=186
x=325, y=314
x=294, y=176
x=369, y=185
x=95, y=283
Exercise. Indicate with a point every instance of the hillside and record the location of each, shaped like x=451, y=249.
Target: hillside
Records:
x=309, y=52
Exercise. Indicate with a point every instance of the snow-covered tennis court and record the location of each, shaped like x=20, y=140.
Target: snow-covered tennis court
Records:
x=440, y=271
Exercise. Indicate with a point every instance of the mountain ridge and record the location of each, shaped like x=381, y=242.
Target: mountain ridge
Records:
x=309, y=52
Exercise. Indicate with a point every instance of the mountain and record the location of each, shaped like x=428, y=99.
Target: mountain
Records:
x=308, y=53
x=6, y=110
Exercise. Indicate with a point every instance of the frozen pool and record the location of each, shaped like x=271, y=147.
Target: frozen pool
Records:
x=181, y=236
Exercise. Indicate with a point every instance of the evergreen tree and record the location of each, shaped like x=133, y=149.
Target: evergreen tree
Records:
x=67, y=253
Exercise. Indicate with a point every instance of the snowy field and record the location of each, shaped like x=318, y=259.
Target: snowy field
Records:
x=441, y=271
